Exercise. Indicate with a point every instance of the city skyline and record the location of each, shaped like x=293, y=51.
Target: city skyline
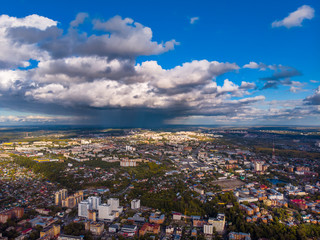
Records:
x=147, y=64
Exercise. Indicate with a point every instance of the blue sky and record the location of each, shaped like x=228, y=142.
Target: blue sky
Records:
x=187, y=63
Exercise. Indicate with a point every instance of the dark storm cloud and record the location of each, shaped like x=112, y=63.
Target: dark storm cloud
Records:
x=113, y=117
x=271, y=84
x=313, y=99
x=283, y=73
x=83, y=70
x=29, y=35
x=281, y=76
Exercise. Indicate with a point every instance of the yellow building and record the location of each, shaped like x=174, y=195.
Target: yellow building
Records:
x=94, y=227
x=92, y=215
x=60, y=196
x=218, y=222
x=71, y=201
x=50, y=232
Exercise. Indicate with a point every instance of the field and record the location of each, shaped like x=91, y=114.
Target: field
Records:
x=229, y=183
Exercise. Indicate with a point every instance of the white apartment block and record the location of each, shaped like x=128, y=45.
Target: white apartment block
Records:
x=107, y=211
x=135, y=204
x=83, y=208
x=94, y=202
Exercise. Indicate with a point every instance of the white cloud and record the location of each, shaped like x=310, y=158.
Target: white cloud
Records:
x=248, y=85
x=295, y=18
x=190, y=73
x=34, y=21
x=14, y=54
x=294, y=89
x=251, y=65
x=261, y=66
x=228, y=86
x=10, y=80
x=193, y=20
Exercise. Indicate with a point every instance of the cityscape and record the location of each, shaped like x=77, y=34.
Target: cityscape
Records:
x=161, y=120
x=197, y=183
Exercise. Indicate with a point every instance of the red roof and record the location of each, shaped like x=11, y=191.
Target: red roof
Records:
x=175, y=213
x=27, y=231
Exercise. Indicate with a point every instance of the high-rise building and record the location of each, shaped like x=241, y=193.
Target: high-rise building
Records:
x=265, y=167
x=104, y=211
x=114, y=203
x=64, y=193
x=135, y=204
x=208, y=229
x=92, y=215
x=273, y=153
x=107, y=211
x=4, y=217
x=57, y=198
x=60, y=196
x=83, y=208
x=218, y=222
x=16, y=212
x=94, y=202
x=258, y=166
x=71, y=201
